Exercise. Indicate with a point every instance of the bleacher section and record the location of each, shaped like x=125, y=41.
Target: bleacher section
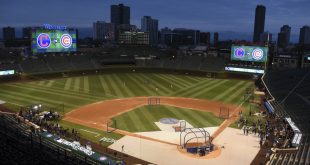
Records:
x=63, y=63
x=82, y=61
x=34, y=66
x=99, y=58
x=172, y=63
x=213, y=64
x=9, y=66
x=191, y=62
x=59, y=63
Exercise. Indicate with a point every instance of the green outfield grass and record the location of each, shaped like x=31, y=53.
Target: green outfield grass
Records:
x=142, y=119
x=77, y=91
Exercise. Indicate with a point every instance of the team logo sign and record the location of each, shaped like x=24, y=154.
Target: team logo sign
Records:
x=257, y=54
x=239, y=52
x=66, y=40
x=44, y=40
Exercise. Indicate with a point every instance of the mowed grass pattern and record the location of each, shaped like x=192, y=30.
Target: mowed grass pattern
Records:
x=77, y=91
x=142, y=119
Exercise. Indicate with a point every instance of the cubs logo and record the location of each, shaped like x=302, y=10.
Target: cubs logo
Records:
x=239, y=53
x=257, y=54
x=66, y=40
x=44, y=40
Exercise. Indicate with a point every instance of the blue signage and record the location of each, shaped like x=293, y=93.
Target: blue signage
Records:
x=54, y=27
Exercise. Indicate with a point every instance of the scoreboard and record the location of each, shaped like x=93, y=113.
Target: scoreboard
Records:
x=249, y=53
x=53, y=40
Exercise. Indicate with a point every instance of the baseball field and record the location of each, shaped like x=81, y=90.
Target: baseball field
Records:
x=72, y=93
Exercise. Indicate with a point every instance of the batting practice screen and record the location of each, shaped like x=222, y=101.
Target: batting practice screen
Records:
x=249, y=53
x=46, y=40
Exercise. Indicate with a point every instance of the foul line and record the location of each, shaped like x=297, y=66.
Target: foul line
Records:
x=97, y=134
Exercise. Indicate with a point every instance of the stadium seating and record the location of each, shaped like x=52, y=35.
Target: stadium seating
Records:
x=172, y=63
x=291, y=91
x=34, y=66
x=59, y=63
x=82, y=62
x=20, y=145
x=213, y=64
x=191, y=62
x=101, y=58
x=10, y=66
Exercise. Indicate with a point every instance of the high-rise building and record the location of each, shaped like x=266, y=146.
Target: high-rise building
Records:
x=151, y=26
x=120, y=14
x=259, y=24
x=284, y=36
x=8, y=33
x=103, y=31
x=215, y=38
x=266, y=37
x=27, y=33
x=205, y=38
x=304, y=35
x=282, y=43
x=286, y=29
x=166, y=36
x=183, y=36
x=133, y=38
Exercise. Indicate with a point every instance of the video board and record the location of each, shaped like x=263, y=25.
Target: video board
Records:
x=53, y=40
x=245, y=70
x=6, y=72
x=249, y=53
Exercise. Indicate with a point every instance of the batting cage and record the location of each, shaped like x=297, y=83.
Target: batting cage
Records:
x=153, y=101
x=196, y=141
x=224, y=113
x=111, y=125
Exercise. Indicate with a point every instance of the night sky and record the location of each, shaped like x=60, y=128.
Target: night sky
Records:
x=205, y=15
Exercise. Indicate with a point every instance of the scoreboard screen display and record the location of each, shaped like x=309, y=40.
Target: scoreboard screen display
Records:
x=7, y=72
x=249, y=53
x=51, y=40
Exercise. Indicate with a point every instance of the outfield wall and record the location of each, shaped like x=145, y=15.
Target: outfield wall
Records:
x=125, y=69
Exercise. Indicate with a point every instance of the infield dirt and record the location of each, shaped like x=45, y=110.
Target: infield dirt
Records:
x=97, y=114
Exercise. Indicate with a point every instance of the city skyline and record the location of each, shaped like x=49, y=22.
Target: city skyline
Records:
x=201, y=15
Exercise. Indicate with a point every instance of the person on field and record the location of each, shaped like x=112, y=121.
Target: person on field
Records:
x=244, y=130
x=122, y=148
